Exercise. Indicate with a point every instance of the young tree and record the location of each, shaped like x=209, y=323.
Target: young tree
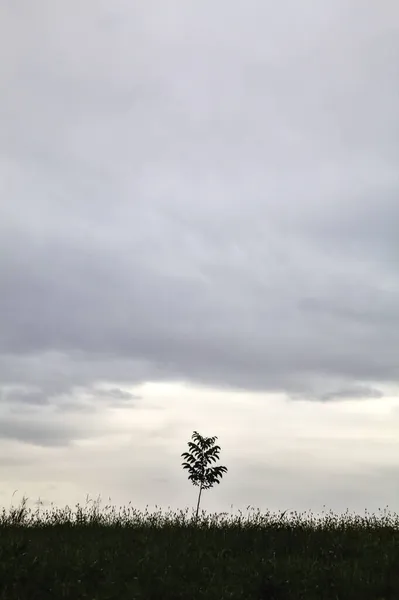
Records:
x=202, y=452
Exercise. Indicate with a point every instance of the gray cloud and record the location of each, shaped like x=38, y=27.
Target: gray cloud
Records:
x=351, y=393
x=219, y=212
x=115, y=397
x=117, y=394
x=55, y=423
x=24, y=397
x=41, y=433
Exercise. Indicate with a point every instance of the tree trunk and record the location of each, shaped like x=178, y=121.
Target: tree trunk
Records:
x=198, y=503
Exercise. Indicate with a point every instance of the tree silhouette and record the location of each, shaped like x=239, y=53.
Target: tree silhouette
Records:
x=202, y=452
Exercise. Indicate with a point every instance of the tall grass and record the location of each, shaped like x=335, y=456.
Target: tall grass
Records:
x=98, y=554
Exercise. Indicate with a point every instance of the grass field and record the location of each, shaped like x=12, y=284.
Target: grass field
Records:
x=126, y=554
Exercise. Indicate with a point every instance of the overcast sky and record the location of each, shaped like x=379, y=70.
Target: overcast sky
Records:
x=199, y=219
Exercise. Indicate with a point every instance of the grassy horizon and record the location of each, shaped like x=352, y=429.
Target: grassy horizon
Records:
x=127, y=553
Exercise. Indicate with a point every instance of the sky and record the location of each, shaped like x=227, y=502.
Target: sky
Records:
x=198, y=231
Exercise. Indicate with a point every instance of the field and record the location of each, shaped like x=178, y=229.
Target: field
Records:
x=94, y=554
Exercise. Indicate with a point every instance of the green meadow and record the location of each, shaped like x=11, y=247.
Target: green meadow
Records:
x=116, y=554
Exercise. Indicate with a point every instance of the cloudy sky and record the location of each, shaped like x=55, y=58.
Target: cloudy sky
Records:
x=199, y=219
